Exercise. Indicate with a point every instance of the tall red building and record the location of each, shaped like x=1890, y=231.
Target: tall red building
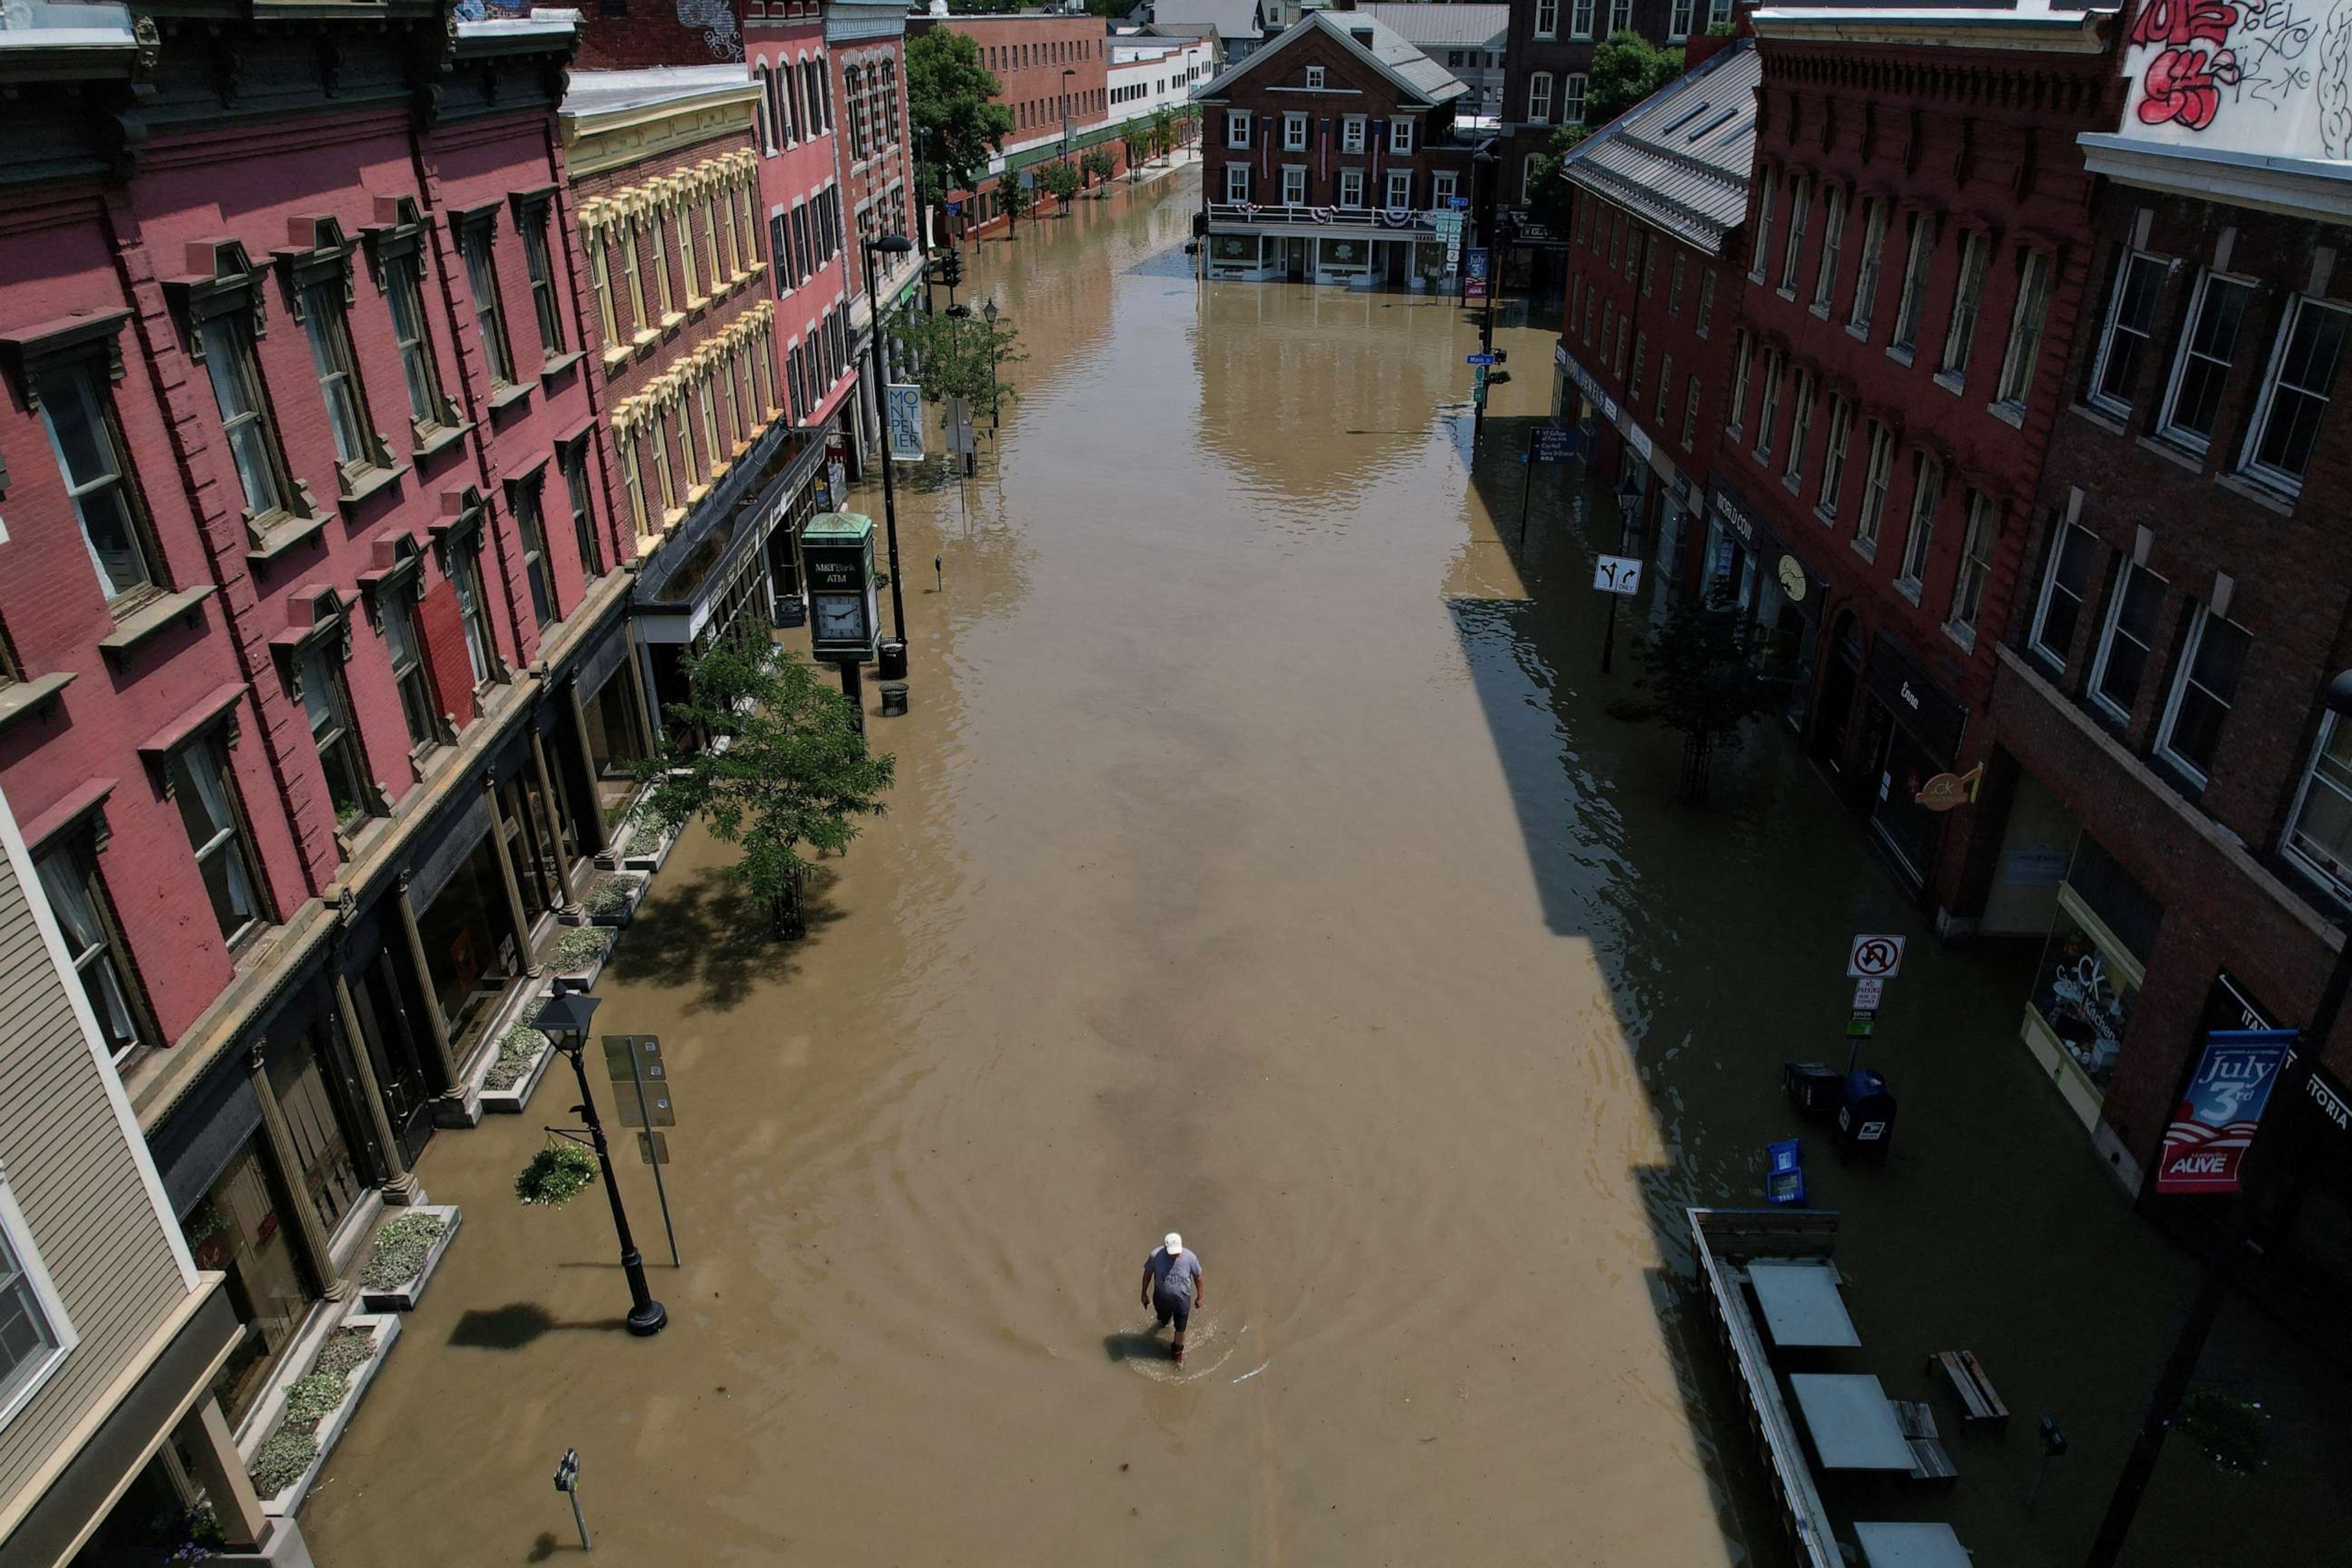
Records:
x=1053, y=74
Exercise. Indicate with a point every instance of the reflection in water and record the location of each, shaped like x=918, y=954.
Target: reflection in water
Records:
x=1263, y=865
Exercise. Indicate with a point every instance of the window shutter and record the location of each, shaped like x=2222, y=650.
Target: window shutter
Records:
x=445, y=650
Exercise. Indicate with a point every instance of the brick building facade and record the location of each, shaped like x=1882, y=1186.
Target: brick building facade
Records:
x=306, y=563
x=1053, y=74
x=866, y=47
x=627, y=35
x=1325, y=154
x=1547, y=64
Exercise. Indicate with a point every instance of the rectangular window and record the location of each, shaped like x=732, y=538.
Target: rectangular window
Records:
x=244, y=417
x=1548, y=18
x=2303, y=374
x=658, y=235
x=1315, y=76
x=1400, y=136
x=1580, y=18
x=1968, y=296
x=1351, y=187
x=1833, y=445
x=409, y=674
x=1616, y=236
x=69, y=876
x=2130, y=323
x=1572, y=90
x=1294, y=134
x=1800, y=425
x=339, y=377
x=1765, y=195
x=1441, y=188
x=1399, y=198
x=1878, y=467
x=35, y=1333
x=1976, y=566
x=538, y=574
x=1865, y=277
x=474, y=610
x=1742, y=351
x=632, y=479
x=2126, y=641
x=1352, y=133
x=1678, y=21
x=1832, y=243
x=2023, y=351
x=80, y=418
x=205, y=792
x=1767, y=409
x=1237, y=183
x=546, y=301
x=1649, y=265
x=1907, y=305
x=1539, y=98
x=1640, y=357
x=2065, y=585
x=1237, y=128
x=1793, y=257
x=490, y=312
x=404, y=288
x=1926, y=495
x=1706, y=299
x=2215, y=318
x=1621, y=15
x=1294, y=185
x=327, y=704
x=1690, y=416
x=2319, y=834
x=1674, y=288
x=2201, y=694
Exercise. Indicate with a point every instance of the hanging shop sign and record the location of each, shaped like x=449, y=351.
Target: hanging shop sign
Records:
x=1792, y=579
x=905, y=408
x=2221, y=1110
x=1946, y=791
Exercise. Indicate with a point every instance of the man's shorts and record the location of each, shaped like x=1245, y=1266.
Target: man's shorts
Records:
x=1169, y=1304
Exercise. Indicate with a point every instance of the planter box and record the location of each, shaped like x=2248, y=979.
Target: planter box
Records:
x=404, y=1297
x=583, y=978
x=511, y=1100
x=386, y=1330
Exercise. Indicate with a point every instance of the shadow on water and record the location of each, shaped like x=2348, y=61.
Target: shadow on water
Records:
x=517, y=1324
x=705, y=936
x=1132, y=1346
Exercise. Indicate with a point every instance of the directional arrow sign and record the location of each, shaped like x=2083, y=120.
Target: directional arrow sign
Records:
x=1875, y=958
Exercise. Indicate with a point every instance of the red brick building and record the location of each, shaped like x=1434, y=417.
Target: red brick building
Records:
x=1548, y=63
x=2162, y=744
x=1913, y=272
x=629, y=35
x=307, y=571
x=1052, y=71
x=1325, y=154
x=866, y=47
x=1654, y=255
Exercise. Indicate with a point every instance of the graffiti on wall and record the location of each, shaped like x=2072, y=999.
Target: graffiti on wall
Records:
x=714, y=20
x=2263, y=76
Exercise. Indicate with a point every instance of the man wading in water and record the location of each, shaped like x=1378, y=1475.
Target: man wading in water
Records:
x=1171, y=1287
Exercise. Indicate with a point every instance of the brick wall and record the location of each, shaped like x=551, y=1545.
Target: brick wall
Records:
x=787, y=56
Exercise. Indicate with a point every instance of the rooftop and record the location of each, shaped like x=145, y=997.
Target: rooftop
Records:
x=1230, y=18
x=1415, y=72
x=606, y=92
x=1680, y=158
x=1450, y=27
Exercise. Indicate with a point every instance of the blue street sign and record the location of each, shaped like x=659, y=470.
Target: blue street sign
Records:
x=954, y=208
x=1482, y=359
x=1459, y=203
x=1550, y=444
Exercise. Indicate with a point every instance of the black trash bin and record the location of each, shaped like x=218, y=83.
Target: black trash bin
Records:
x=893, y=661
x=1865, y=1122
x=792, y=610
x=1814, y=1088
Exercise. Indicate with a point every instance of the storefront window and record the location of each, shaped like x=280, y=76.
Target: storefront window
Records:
x=237, y=1230
x=2083, y=994
x=311, y=1095
x=469, y=942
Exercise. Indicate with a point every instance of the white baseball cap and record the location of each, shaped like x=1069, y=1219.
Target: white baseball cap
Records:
x=1174, y=1244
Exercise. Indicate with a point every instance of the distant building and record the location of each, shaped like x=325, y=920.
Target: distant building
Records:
x=1327, y=153
x=1469, y=40
x=1239, y=27
x=1053, y=73
x=1149, y=74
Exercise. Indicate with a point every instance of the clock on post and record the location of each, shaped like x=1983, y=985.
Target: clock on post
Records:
x=837, y=562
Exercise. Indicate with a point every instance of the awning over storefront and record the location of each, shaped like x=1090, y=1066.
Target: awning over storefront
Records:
x=680, y=586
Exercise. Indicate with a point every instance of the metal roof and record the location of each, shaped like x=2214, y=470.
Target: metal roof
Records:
x=1231, y=18
x=1447, y=26
x=1415, y=72
x=1680, y=159
x=601, y=92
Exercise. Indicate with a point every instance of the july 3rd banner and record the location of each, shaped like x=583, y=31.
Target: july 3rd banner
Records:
x=2220, y=1110
x=905, y=420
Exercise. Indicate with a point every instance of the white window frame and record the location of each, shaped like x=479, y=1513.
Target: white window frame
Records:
x=2166, y=426
x=2127, y=263
x=2338, y=882
x=62, y=1335
x=2033, y=638
x=1400, y=136
x=1765, y=198
x=2109, y=627
x=1919, y=257
x=1548, y=18
x=2274, y=374
x=1877, y=474
x=1869, y=268
x=1351, y=134
x=1835, y=442
x=2180, y=679
x=1800, y=429
x=1579, y=19
x=1833, y=202
x=1389, y=195
x=1574, y=87
x=1678, y=21
x=1351, y=188
x=1237, y=177
x=2022, y=356
x=1981, y=536
x=1293, y=176
x=1767, y=405
x=1621, y=16
x=1743, y=354
x=1967, y=305
x=1919, y=537
x=1800, y=202
x=1237, y=129
x=1315, y=78
x=1539, y=98
x=1442, y=187
x=1294, y=131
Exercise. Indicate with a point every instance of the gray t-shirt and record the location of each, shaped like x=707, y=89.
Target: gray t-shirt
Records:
x=1176, y=1275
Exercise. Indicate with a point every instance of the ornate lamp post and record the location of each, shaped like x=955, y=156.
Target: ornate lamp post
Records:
x=893, y=652
x=988, y=312
x=564, y=1021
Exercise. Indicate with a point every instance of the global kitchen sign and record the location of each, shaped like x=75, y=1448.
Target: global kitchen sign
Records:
x=2222, y=1109
x=2272, y=76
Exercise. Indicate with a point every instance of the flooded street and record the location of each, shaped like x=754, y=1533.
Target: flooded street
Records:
x=1263, y=865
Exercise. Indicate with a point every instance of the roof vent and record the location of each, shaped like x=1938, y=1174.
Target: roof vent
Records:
x=1361, y=34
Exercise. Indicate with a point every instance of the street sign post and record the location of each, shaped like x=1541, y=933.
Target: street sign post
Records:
x=567, y=1482
x=1620, y=577
x=1473, y=273
x=1866, y=994
x=1546, y=443
x=635, y=1063
x=1875, y=958
x=1481, y=359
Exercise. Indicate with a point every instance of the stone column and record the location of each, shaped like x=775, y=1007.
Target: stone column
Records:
x=648, y=716
x=399, y=1182
x=554, y=814
x=515, y=910
x=442, y=1055
x=592, y=819
x=310, y=1236
x=212, y=1453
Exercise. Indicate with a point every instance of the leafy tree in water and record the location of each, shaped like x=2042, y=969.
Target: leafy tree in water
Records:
x=1060, y=181
x=1014, y=200
x=949, y=98
x=1703, y=679
x=1163, y=133
x=782, y=764
x=953, y=353
x=1626, y=68
x=1098, y=165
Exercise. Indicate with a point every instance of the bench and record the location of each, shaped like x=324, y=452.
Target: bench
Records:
x=1929, y=1462
x=1980, y=1406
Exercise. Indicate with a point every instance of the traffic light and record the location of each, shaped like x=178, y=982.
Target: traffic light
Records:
x=951, y=268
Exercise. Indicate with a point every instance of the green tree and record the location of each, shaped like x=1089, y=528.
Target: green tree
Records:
x=1626, y=68
x=1704, y=677
x=1098, y=165
x=782, y=764
x=948, y=98
x=1548, y=192
x=955, y=355
x=1015, y=199
x=1163, y=131
x=1060, y=181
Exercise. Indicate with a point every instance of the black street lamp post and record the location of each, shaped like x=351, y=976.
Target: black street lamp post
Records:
x=564, y=1021
x=892, y=668
x=1066, y=73
x=2212, y=1291
x=1483, y=162
x=989, y=313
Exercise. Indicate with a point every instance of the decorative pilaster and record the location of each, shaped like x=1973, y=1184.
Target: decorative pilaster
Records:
x=310, y=1235
x=400, y=1184
x=451, y=1089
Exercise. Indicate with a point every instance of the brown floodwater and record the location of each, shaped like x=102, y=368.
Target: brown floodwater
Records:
x=1262, y=866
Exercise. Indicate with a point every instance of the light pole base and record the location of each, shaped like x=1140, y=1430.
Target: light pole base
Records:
x=648, y=1320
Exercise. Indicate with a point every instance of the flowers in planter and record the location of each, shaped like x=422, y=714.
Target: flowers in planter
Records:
x=280, y=1462
x=555, y=1175
x=282, y=1457
x=578, y=948
x=517, y=1051
x=345, y=1351
x=611, y=895
x=401, y=1247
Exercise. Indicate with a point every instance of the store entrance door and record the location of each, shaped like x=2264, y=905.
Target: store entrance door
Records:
x=1838, y=685
x=393, y=1048
x=1907, y=828
x=1295, y=263
x=528, y=850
